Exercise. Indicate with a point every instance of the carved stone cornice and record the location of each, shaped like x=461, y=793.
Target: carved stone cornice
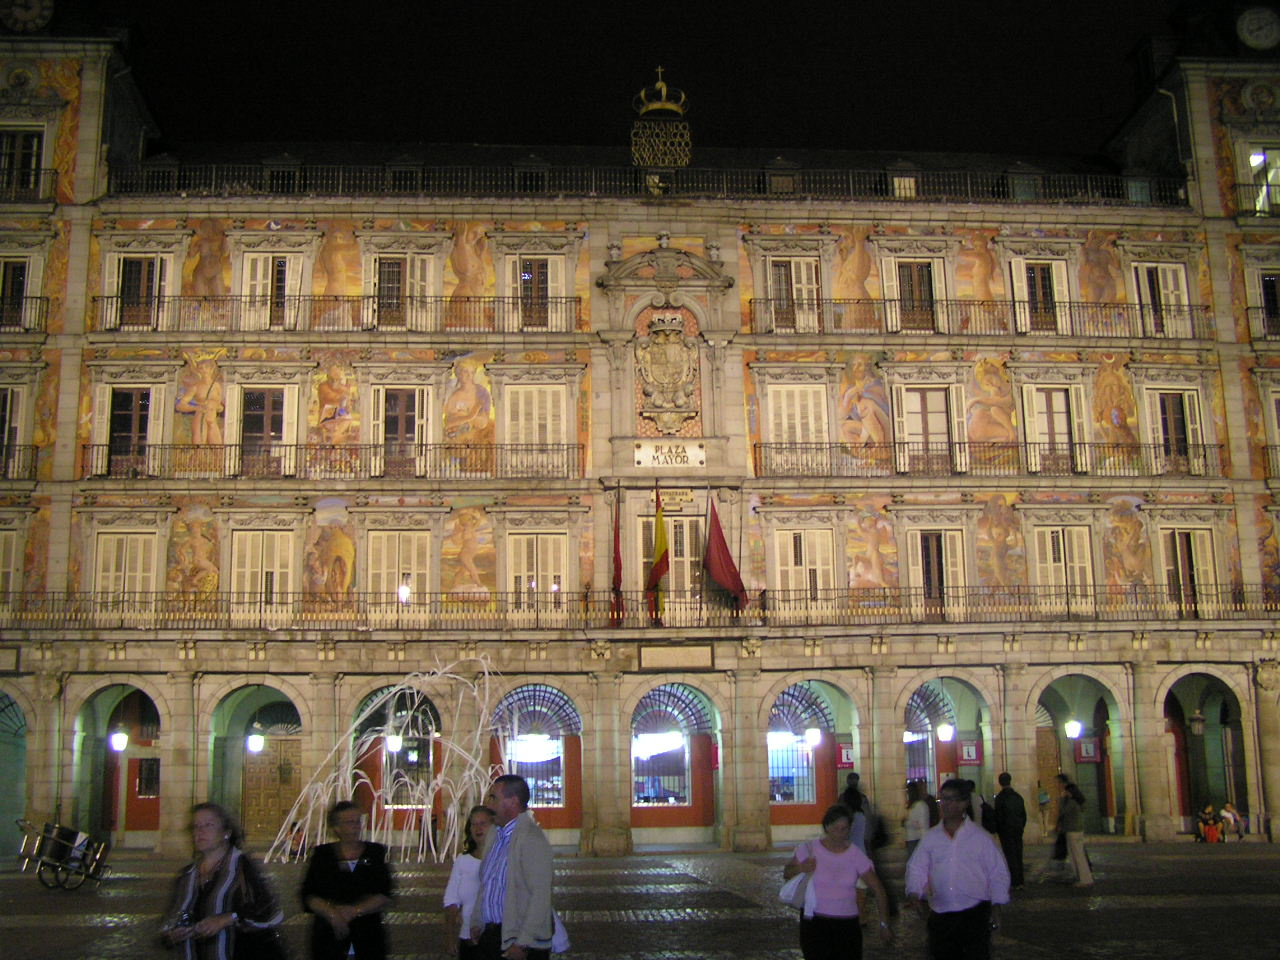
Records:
x=259, y=518
x=1170, y=374
x=1266, y=377
x=1079, y=514
x=25, y=241
x=899, y=245
x=1049, y=371
x=1260, y=254
x=508, y=242
x=398, y=518
x=793, y=515
x=929, y=371
x=144, y=515
x=1181, y=251
x=305, y=241
x=267, y=371
x=143, y=241
x=16, y=518
x=20, y=373
x=402, y=241
x=506, y=373
x=527, y=517
x=379, y=374
x=773, y=371
x=1047, y=248
x=920, y=515
x=134, y=370
x=821, y=245
x=1204, y=513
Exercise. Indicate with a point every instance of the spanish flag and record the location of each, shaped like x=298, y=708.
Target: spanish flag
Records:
x=661, y=559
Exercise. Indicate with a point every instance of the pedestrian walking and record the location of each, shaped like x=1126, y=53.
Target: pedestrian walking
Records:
x=1011, y=822
x=958, y=876
x=464, y=884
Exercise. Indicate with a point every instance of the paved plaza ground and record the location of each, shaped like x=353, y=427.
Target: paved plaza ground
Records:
x=1184, y=901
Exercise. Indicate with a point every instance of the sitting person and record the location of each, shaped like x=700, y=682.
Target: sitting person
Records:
x=1232, y=822
x=1208, y=825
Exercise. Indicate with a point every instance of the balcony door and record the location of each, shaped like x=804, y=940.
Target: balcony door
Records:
x=1190, y=583
x=261, y=576
x=272, y=284
x=21, y=153
x=1162, y=294
x=798, y=431
x=682, y=603
x=935, y=567
x=806, y=573
x=795, y=294
x=399, y=431
x=536, y=570
x=124, y=577
x=13, y=295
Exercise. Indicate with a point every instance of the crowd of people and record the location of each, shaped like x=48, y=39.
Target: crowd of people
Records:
x=497, y=903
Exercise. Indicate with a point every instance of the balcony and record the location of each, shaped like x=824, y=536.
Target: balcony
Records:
x=1264, y=323
x=347, y=180
x=982, y=318
x=1273, y=462
x=18, y=461
x=601, y=610
x=24, y=314
x=337, y=314
x=27, y=186
x=430, y=461
x=921, y=459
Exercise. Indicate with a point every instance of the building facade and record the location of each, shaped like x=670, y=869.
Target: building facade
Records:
x=994, y=446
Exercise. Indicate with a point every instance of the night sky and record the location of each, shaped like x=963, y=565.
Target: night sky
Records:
x=1038, y=76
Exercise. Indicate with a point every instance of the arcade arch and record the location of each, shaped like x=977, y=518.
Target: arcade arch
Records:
x=255, y=758
x=13, y=759
x=1203, y=720
x=673, y=775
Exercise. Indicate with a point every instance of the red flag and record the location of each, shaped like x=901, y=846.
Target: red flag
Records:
x=661, y=560
x=718, y=562
x=617, y=609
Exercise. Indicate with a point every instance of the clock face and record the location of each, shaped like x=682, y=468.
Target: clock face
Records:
x=25, y=16
x=1259, y=28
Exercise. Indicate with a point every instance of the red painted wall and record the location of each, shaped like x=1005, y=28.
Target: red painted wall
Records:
x=140, y=813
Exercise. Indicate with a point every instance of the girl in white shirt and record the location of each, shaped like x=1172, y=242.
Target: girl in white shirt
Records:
x=464, y=885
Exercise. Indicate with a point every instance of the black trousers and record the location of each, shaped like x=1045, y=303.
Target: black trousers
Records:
x=830, y=938
x=490, y=946
x=1011, y=844
x=962, y=935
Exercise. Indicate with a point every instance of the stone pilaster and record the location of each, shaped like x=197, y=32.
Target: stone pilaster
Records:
x=1154, y=806
x=1267, y=697
x=883, y=756
x=606, y=771
x=744, y=791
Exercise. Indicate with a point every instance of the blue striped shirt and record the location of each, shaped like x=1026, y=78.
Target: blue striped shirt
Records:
x=493, y=873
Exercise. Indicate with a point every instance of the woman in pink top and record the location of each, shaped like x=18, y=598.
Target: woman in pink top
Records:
x=831, y=930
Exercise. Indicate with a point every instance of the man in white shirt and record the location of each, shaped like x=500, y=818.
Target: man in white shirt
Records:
x=958, y=869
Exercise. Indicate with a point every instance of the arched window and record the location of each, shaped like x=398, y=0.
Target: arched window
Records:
x=531, y=723
x=403, y=724
x=797, y=721
x=928, y=711
x=661, y=726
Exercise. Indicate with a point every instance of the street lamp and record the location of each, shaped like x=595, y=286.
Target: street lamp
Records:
x=119, y=740
x=254, y=742
x=1196, y=722
x=1073, y=729
x=945, y=732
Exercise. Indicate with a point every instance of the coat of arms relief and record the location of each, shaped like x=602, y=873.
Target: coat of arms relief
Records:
x=667, y=361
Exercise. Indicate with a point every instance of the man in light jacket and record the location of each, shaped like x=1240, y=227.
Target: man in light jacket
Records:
x=512, y=918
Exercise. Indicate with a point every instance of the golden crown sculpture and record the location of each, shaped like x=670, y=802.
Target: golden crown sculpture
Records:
x=660, y=98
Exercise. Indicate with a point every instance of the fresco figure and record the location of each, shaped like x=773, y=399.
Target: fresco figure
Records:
x=202, y=399
x=334, y=420
x=1115, y=414
x=1099, y=270
x=468, y=406
x=464, y=546
x=1126, y=547
x=330, y=562
x=990, y=410
x=467, y=259
x=998, y=531
x=864, y=407
x=194, y=569
x=207, y=252
x=871, y=537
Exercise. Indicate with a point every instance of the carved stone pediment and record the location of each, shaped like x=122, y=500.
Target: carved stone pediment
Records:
x=1260, y=254
x=305, y=241
x=407, y=518
x=895, y=245
x=510, y=242
x=773, y=371
x=1077, y=514
x=825, y=515
x=17, y=373
x=1200, y=513
x=666, y=269
x=267, y=371
x=918, y=515
x=149, y=517
x=134, y=370
x=398, y=374
x=1168, y=374
x=1160, y=250
x=280, y=517
x=505, y=373
x=143, y=241
x=402, y=241
x=25, y=241
x=1046, y=248
x=945, y=371
x=522, y=517
x=1050, y=372
x=822, y=245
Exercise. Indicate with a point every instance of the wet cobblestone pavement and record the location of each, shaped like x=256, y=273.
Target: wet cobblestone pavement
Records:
x=1150, y=901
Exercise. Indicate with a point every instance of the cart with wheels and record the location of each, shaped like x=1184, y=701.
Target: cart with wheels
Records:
x=63, y=857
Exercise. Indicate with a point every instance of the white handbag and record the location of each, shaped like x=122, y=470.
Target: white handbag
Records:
x=793, y=892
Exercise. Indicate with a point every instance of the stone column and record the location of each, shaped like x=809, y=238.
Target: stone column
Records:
x=1019, y=742
x=1151, y=757
x=606, y=762
x=179, y=759
x=1267, y=696
x=44, y=789
x=745, y=792
x=883, y=756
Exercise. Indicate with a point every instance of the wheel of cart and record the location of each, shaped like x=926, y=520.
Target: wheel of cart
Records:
x=64, y=857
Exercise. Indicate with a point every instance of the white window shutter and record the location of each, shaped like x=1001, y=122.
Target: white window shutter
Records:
x=256, y=284
x=10, y=572
x=381, y=563
x=418, y=290
x=1034, y=426
x=158, y=429
x=551, y=564
x=1079, y=566
x=1196, y=458
x=1156, y=439
x=901, y=430
x=101, y=429
x=279, y=560
x=368, y=291
x=915, y=575
x=293, y=290
x=1061, y=294
x=959, y=428
x=1081, y=453
x=1050, y=570
x=955, y=595
x=1019, y=295
x=231, y=418
x=789, y=545
x=521, y=563
x=807, y=292
x=377, y=430
x=421, y=424
x=34, y=287
x=822, y=562
x=1205, y=573
x=889, y=294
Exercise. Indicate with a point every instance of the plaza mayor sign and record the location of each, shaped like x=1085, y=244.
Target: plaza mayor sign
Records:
x=664, y=454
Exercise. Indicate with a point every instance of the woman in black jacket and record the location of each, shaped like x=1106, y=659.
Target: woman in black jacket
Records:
x=348, y=885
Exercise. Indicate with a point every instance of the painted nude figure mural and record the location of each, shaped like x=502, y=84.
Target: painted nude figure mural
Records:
x=330, y=562
x=871, y=551
x=467, y=550
x=333, y=418
x=1126, y=549
x=467, y=260
x=864, y=412
x=206, y=251
x=193, y=552
x=1001, y=553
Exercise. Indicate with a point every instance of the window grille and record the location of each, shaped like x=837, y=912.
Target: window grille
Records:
x=532, y=722
x=661, y=726
x=796, y=714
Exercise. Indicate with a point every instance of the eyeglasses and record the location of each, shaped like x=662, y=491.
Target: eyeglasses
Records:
x=953, y=800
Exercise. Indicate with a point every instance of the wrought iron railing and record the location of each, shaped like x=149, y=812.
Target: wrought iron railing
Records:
x=1264, y=323
x=24, y=314
x=630, y=610
x=939, y=186
x=419, y=314
x=438, y=461
x=18, y=461
x=27, y=186
x=1273, y=461
x=980, y=318
x=940, y=459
